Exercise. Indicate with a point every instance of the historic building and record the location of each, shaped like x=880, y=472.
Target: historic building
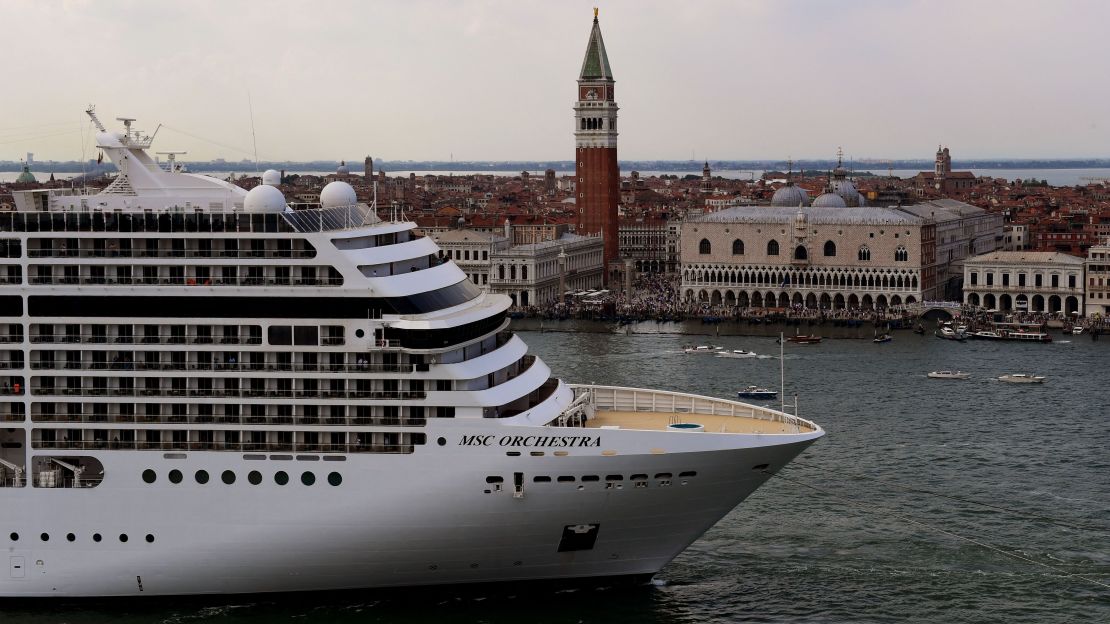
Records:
x=1097, y=267
x=942, y=179
x=541, y=273
x=651, y=245
x=471, y=250
x=830, y=258
x=1034, y=281
x=595, y=135
x=962, y=231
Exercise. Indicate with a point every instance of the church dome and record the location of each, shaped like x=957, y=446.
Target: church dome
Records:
x=843, y=187
x=25, y=176
x=342, y=169
x=264, y=198
x=829, y=200
x=790, y=196
x=337, y=194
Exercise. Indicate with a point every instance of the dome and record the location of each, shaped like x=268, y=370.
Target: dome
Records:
x=790, y=195
x=844, y=188
x=271, y=177
x=829, y=200
x=264, y=198
x=337, y=194
x=342, y=169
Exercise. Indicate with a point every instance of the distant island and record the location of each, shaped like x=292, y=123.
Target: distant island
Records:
x=432, y=166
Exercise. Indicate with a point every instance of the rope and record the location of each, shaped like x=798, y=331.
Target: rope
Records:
x=200, y=138
x=919, y=523
x=1016, y=512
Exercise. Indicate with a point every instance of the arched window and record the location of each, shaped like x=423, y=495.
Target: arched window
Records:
x=738, y=247
x=830, y=249
x=704, y=247
x=800, y=253
x=500, y=271
x=901, y=255
x=773, y=248
x=864, y=253
x=524, y=272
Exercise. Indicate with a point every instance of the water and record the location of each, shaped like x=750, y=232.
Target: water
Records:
x=1055, y=177
x=873, y=553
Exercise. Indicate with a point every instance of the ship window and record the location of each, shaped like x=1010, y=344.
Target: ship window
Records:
x=280, y=335
x=688, y=473
x=123, y=537
x=614, y=477
x=541, y=479
x=149, y=538
x=305, y=336
x=175, y=476
x=150, y=476
x=281, y=477
x=590, y=478
x=663, y=475
x=495, y=480
x=254, y=477
x=335, y=479
x=638, y=477
x=45, y=537
x=202, y=477
x=308, y=478
x=70, y=537
x=96, y=537
x=14, y=537
x=566, y=479
x=228, y=477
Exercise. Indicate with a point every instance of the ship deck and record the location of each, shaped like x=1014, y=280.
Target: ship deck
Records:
x=659, y=410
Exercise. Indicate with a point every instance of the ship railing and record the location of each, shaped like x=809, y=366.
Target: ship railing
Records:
x=330, y=219
x=193, y=445
x=224, y=419
x=232, y=393
x=53, y=252
x=13, y=482
x=621, y=399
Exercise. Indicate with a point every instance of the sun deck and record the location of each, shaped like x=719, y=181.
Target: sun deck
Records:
x=659, y=410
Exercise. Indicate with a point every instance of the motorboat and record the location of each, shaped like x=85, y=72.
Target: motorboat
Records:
x=755, y=392
x=882, y=338
x=1021, y=378
x=947, y=374
x=703, y=350
x=804, y=339
x=737, y=354
x=987, y=334
x=947, y=332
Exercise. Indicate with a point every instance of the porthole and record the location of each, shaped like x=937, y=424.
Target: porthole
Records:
x=45, y=537
x=123, y=538
x=96, y=537
x=441, y=441
x=335, y=479
x=14, y=537
x=202, y=477
x=254, y=477
x=281, y=477
x=150, y=476
x=359, y=333
x=149, y=538
x=308, y=478
x=228, y=477
x=175, y=476
x=70, y=537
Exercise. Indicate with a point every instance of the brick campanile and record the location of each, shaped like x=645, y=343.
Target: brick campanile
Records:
x=595, y=138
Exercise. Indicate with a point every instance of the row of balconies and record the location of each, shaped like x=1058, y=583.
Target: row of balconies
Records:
x=221, y=367
x=61, y=252
x=265, y=447
x=1077, y=290
x=247, y=393
x=178, y=280
x=227, y=419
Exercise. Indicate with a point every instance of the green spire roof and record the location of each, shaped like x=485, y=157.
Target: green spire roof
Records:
x=596, y=64
x=26, y=177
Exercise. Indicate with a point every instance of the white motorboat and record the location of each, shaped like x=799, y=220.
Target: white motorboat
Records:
x=1021, y=378
x=737, y=354
x=703, y=350
x=947, y=374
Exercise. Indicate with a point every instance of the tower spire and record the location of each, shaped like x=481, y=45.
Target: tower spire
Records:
x=596, y=64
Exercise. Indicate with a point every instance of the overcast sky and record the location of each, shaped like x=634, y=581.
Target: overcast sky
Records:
x=495, y=80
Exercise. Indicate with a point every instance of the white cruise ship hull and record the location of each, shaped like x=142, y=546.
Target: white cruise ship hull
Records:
x=395, y=520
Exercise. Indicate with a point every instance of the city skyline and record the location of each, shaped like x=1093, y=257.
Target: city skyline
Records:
x=494, y=81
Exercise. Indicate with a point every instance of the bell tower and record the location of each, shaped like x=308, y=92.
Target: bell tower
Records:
x=595, y=137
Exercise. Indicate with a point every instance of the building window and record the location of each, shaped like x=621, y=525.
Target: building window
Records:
x=800, y=253
x=1055, y=281
x=738, y=247
x=901, y=255
x=990, y=279
x=1005, y=279
x=1038, y=280
x=1021, y=280
x=974, y=278
x=830, y=249
x=704, y=247
x=773, y=248
x=864, y=253
x=1071, y=281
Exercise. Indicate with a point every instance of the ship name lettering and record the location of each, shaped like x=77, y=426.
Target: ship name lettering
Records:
x=550, y=441
x=476, y=440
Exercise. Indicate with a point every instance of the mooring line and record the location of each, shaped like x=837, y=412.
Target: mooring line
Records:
x=914, y=521
x=1016, y=512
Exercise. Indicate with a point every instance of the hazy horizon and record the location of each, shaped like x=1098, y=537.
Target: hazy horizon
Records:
x=495, y=81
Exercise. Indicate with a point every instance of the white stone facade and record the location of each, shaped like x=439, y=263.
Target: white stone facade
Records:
x=1097, y=291
x=471, y=250
x=1033, y=281
x=530, y=274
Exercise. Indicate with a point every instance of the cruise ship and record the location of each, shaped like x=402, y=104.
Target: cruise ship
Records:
x=216, y=391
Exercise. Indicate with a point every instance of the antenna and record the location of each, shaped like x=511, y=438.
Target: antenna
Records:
x=782, y=375
x=254, y=138
x=91, y=112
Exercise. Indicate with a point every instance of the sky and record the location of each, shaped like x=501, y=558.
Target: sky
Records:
x=495, y=80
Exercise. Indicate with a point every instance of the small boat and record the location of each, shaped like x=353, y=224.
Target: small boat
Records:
x=947, y=374
x=948, y=333
x=1077, y=330
x=919, y=330
x=882, y=338
x=987, y=334
x=804, y=339
x=755, y=392
x=737, y=354
x=702, y=350
x=1021, y=378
